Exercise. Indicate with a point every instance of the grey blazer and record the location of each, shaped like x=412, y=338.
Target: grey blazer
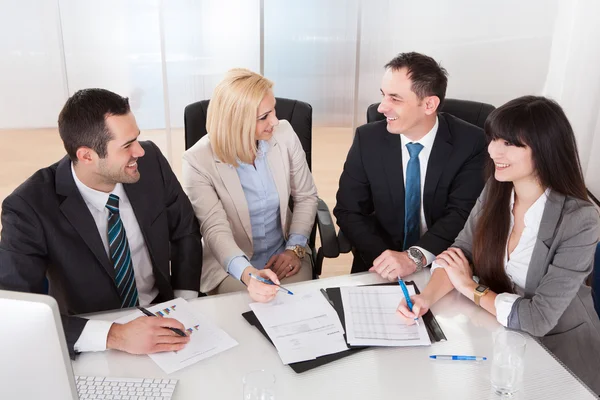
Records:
x=557, y=306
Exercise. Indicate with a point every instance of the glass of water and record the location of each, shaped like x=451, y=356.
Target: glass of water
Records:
x=259, y=385
x=508, y=362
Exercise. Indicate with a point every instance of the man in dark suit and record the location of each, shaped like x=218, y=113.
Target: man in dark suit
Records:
x=102, y=225
x=409, y=181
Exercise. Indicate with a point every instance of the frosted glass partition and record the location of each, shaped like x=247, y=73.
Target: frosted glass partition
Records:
x=310, y=54
x=115, y=44
x=493, y=51
x=31, y=78
x=203, y=40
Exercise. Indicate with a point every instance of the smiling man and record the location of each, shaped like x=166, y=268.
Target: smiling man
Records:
x=409, y=181
x=108, y=227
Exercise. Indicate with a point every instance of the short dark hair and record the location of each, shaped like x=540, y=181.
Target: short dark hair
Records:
x=428, y=77
x=82, y=120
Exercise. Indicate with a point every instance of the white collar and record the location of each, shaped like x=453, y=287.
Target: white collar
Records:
x=427, y=140
x=93, y=197
x=533, y=216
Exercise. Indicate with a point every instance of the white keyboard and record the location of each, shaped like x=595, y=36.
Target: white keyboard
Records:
x=98, y=387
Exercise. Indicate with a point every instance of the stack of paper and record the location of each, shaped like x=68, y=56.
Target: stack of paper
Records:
x=206, y=339
x=371, y=318
x=302, y=327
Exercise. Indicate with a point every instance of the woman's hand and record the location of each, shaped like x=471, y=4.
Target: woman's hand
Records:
x=458, y=268
x=284, y=264
x=259, y=291
x=421, y=305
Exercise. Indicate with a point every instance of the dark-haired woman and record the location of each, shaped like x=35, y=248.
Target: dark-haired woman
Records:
x=530, y=239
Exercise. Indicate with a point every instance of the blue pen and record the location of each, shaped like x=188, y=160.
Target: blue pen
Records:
x=406, y=296
x=457, y=358
x=269, y=282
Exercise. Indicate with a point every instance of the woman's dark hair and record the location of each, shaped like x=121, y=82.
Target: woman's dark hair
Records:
x=541, y=124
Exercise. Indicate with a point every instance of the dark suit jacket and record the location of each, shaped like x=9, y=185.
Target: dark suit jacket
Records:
x=48, y=230
x=370, y=199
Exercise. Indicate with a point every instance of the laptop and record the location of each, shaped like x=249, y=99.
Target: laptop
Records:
x=35, y=363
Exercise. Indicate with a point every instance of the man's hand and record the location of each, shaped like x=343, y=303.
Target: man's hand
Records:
x=393, y=264
x=259, y=291
x=284, y=264
x=146, y=335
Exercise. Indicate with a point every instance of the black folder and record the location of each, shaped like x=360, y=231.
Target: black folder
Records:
x=433, y=329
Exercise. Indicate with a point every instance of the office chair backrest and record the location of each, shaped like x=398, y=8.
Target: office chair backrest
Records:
x=471, y=111
x=596, y=280
x=298, y=113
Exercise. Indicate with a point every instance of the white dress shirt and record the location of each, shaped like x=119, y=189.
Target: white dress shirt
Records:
x=94, y=334
x=518, y=265
x=427, y=143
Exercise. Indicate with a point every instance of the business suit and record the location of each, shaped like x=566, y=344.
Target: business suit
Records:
x=557, y=307
x=218, y=199
x=48, y=230
x=370, y=199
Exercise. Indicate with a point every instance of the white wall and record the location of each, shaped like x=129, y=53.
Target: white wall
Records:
x=493, y=50
x=32, y=89
x=574, y=79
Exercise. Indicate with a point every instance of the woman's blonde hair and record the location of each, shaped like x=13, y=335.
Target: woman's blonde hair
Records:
x=231, y=115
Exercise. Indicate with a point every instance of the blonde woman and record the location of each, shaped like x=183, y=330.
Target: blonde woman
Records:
x=239, y=179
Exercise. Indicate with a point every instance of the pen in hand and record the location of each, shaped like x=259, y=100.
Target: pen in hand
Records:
x=407, y=297
x=269, y=282
x=148, y=313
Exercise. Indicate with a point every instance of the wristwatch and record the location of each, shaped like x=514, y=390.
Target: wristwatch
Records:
x=298, y=250
x=479, y=292
x=417, y=257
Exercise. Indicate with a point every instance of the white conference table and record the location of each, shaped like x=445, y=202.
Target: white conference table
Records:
x=375, y=373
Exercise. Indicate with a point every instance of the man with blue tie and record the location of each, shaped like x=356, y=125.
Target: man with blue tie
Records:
x=411, y=180
x=108, y=227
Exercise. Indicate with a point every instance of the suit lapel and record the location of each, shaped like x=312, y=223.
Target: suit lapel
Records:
x=77, y=213
x=438, y=158
x=550, y=219
x=232, y=183
x=392, y=163
x=280, y=175
x=145, y=207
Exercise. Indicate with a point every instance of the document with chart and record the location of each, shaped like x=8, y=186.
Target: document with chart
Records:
x=206, y=338
x=371, y=318
x=302, y=327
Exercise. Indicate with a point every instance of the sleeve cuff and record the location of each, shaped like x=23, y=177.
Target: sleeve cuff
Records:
x=504, y=304
x=435, y=266
x=236, y=266
x=186, y=294
x=297, y=240
x=428, y=255
x=93, y=337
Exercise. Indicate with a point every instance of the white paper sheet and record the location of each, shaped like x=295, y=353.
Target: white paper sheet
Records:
x=371, y=319
x=302, y=327
x=206, y=338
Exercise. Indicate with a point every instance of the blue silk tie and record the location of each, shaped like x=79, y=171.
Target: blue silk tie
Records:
x=412, y=197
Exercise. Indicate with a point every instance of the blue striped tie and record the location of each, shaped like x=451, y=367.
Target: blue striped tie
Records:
x=412, y=197
x=120, y=254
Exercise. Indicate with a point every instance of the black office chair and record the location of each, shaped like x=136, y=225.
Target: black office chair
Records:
x=471, y=111
x=299, y=115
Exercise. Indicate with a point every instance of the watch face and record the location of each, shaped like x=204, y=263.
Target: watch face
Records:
x=414, y=253
x=480, y=288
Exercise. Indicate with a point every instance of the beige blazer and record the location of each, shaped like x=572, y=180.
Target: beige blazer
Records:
x=220, y=205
